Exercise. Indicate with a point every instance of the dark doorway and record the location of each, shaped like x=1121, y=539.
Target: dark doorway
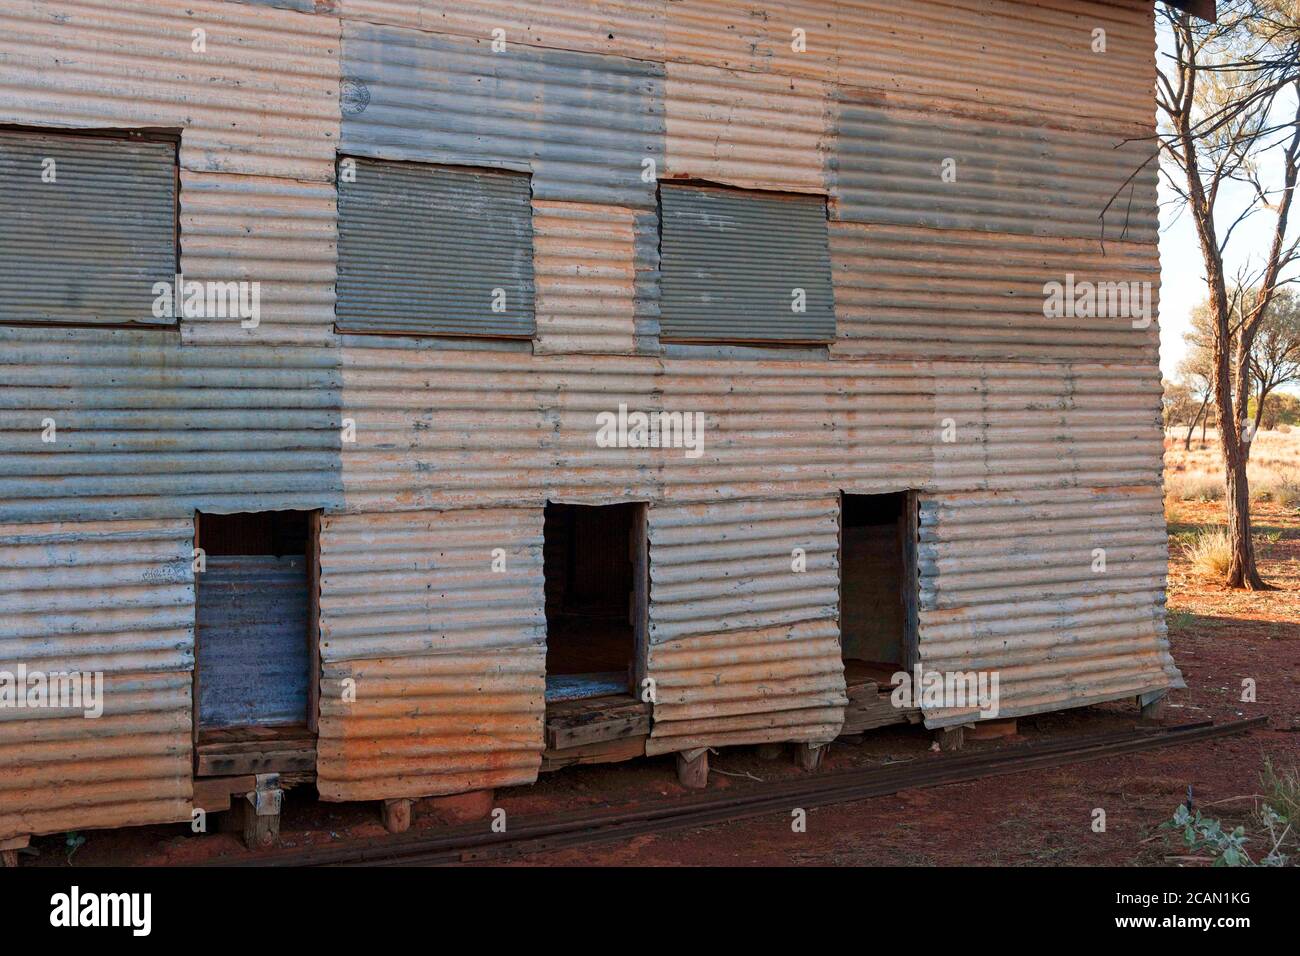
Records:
x=877, y=560
x=255, y=620
x=593, y=558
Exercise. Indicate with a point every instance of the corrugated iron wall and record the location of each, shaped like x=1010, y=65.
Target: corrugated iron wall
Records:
x=938, y=297
x=433, y=646
x=108, y=597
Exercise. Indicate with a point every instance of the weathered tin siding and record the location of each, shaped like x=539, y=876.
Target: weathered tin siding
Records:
x=744, y=648
x=938, y=295
x=1011, y=582
x=434, y=662
x=114, y=597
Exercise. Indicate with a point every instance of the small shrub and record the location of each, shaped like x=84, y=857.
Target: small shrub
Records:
x=1288, y=490
x=1210, y=552
x=1198, y=488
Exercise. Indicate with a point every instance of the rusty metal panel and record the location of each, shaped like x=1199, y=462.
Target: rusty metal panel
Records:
x=631, y=28
x=261, y=97
x=251, y=614
x=431, y=725
x=586, y=277
x=904, y=292
x=1010, y=584
x=446, y=655
x=747, y=129
x=743, y=622
x=431, y=249
x=109, y=598
x=744, y=266
x=88, y=244
x=951, y=172
x=582, y=124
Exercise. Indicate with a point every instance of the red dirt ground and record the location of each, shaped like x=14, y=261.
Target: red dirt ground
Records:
x=1034, y=818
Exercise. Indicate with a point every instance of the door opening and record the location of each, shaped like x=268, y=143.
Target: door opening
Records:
x=594, y=558
x=877, y=583
x=256, y=654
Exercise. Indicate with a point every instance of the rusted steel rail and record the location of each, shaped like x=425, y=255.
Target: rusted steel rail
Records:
x=584, y=828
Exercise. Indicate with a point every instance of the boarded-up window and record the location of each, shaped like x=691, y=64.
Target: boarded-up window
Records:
x=743, y=266
x=87, y=226
x=434, y=250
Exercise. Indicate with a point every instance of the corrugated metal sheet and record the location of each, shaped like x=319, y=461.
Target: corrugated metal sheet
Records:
x=428, y=249
x=581, y=123
x=114, y=598
x=888, y=166
x=746, y=129
x=279, y=233
x=234, y=420
x=744, y=266
x=991, y=54
x=447, y=656
x=632, y=28
x=1008, y=585
x=929, y=293
x=586, y=277
x=251, y=614
x=744, y=648
x=262, y=98
x=88, y=245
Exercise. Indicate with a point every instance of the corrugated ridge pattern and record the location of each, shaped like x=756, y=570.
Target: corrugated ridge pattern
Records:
x=447, y=656
x=902, y=292
x=1010, y=583
x=582, y=123
x=261, y=98
x=738, y=266
x=747, y=129
x=888, y=167
x=90, y=244
x=114, y=598
x=155, y=423
x=435, y=250
x=744, y=647
x=586, y=277
x=632, y=28
x=278, y=232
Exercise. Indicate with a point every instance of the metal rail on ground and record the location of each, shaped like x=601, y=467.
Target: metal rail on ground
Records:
x=584, y=828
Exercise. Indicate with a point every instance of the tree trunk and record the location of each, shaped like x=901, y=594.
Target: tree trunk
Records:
x=1191, y=429
x=1242, y=572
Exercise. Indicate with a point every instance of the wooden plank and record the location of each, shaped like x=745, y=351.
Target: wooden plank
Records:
x=602, y=719
x=263, y=761
x=213, y=793
x=609, y=751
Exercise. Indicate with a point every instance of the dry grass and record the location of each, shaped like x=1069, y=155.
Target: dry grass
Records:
x=1209, y=553
x=1197, y=474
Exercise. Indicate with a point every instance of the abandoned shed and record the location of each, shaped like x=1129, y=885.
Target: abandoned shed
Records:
x=406, y=397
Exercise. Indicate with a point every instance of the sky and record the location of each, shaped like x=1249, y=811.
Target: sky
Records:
x=1182, y=275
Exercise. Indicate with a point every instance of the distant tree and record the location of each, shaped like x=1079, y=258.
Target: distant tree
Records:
x=1283, y=409
x=1274, y=358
